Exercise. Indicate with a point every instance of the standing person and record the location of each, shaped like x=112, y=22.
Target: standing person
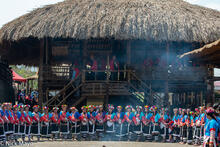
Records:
x=183, y=127
x=84, y=118
x=22, y=121
x=211, y=129
x=28, y=121
x=175, y=134
x=75, y=122
x=164, y=125
x=35, y=127
x=11, y=118
x=63, y=121
x=34, y=95
x=216, y=107
x=45, y=122
x=100, y=118
x=110, y=119
x=203, y=121
x=129, y=121
x=147, y=126
x=197, y=127
x=2, y=132
x=16, y=123
x=21, y=97
x=94, y=67
x=190, y=122
x=120, y=130
x=155, y=121
x=6, y=120
x=75, y=72
x=54, y=127
x=114, y=67
x=137, y=119
x=92, y=120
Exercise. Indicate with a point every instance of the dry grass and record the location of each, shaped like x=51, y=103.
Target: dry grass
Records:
x=159, y=20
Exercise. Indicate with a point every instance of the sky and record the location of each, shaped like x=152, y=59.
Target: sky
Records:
x=11, y=9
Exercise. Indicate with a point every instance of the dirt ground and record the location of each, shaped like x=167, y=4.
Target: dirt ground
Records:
x=100, y=144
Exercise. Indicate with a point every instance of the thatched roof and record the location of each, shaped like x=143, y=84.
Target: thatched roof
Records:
x=159, y=20
x=210, y=54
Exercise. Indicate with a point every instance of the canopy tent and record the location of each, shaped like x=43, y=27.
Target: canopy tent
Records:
x=17, y=77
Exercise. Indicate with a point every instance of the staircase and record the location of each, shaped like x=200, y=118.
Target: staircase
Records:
x=145, y=92
x=134, y=87
x=67, y=91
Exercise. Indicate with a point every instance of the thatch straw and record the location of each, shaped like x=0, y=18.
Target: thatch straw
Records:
x=206, y=50
x=159, y=20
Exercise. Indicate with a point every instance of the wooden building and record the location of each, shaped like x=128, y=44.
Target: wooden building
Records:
x=146, y=37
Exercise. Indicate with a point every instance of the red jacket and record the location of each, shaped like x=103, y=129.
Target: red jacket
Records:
x=55, y=118
x=36, y=117
x=44, y=118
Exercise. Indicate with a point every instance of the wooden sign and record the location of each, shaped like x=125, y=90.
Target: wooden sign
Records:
x=59, y=50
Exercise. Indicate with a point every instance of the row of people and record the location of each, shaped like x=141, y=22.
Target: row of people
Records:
x=148, y=123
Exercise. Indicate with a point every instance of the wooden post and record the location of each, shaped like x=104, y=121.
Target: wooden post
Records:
x=210, y=85
x=40, y=74
x=201, y=98
x=84, y=50
x=128, y=50
x=46, y=50
x=166, y=101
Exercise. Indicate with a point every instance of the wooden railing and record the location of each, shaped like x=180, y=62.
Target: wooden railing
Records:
x=185, y=73
x=57, y=72
x=105, y=75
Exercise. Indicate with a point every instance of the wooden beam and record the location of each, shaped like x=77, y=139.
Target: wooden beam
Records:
x=166, y=101
x=128, y=51
x=84, y=53
x=40, y=76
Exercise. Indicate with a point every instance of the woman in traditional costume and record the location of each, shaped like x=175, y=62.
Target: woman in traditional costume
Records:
x=45, y=122
x=211, y=129
x=120, y=130
x=190, y=123
x=155, y=121
x=54, y=127
x=35, y=127
x=183, y=127
x=16, y=123
x=75, y=122
x=137, y=119
x=129, y=116
x=175, y=131
x=63, y=121
x=197, y=140
x=10, y=116
x=100, y=118
x=164, y=124
x=147, y=125
x=92, y=120
x=84, y=125
x=22, y=122
x=28, y=121
x=6, y=120
x=2, y=132
x=110, y=125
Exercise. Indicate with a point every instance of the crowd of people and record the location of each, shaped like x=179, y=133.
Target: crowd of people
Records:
x=201, y=126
